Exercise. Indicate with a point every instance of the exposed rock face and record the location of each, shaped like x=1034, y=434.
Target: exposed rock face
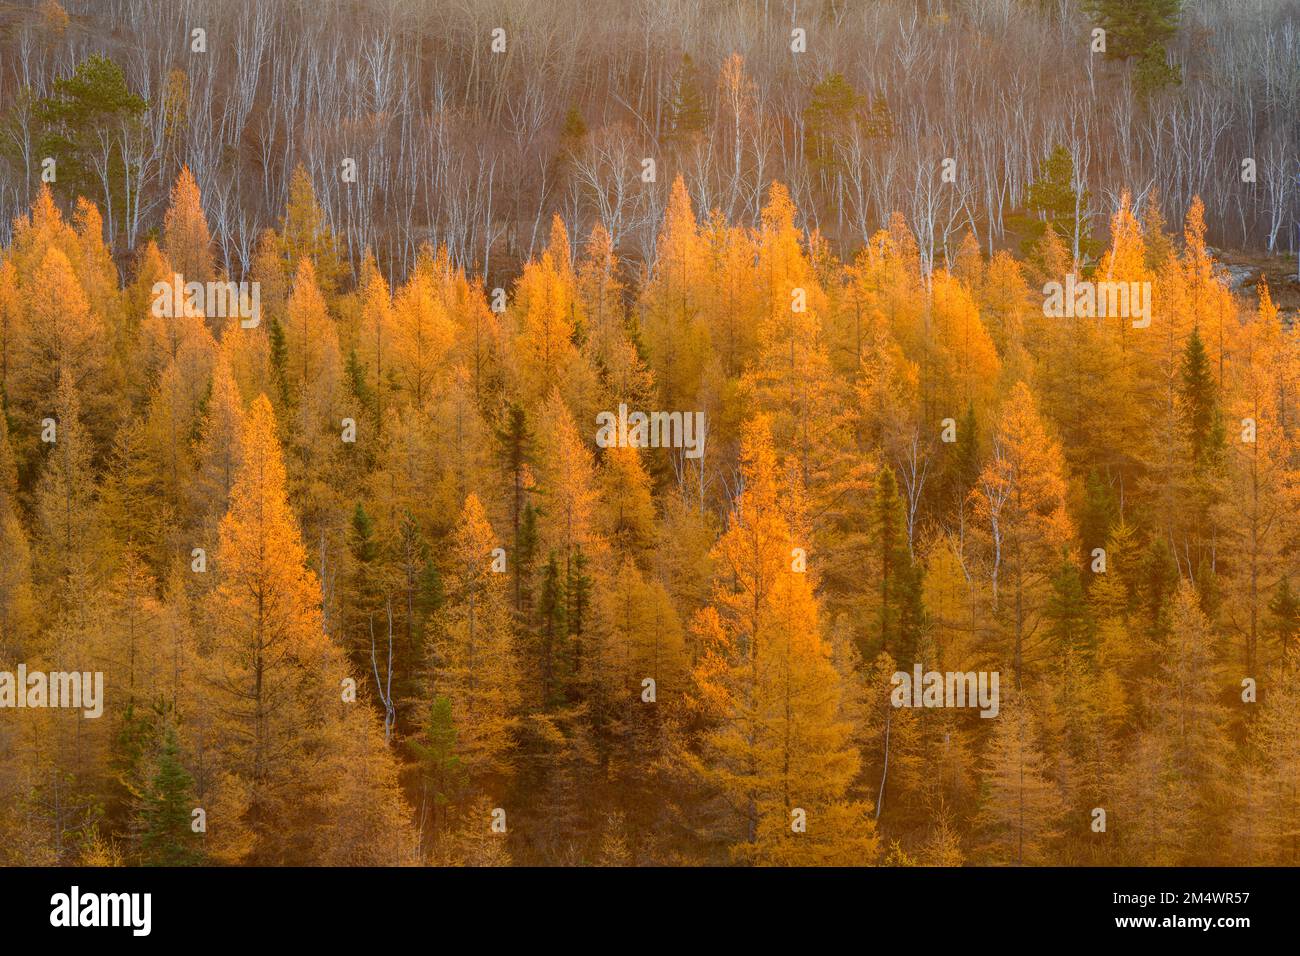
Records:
x=1237, y=275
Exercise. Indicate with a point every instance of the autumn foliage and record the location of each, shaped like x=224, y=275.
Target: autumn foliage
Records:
x=366, y=590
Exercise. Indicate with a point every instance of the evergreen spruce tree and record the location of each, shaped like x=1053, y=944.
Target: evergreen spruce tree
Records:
x=1140, y=29
x=1053, y=202
x=168, y=837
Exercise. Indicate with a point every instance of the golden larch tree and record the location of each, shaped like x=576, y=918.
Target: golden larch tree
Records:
x=272, y=670
x=475, y=662
x=186, y=239
x=777, y=748
x=1019, y=503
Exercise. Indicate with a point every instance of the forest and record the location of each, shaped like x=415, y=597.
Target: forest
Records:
x=372, y=580
x=399, y=491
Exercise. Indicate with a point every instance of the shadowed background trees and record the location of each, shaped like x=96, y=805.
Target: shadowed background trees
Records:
x=459, y=146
